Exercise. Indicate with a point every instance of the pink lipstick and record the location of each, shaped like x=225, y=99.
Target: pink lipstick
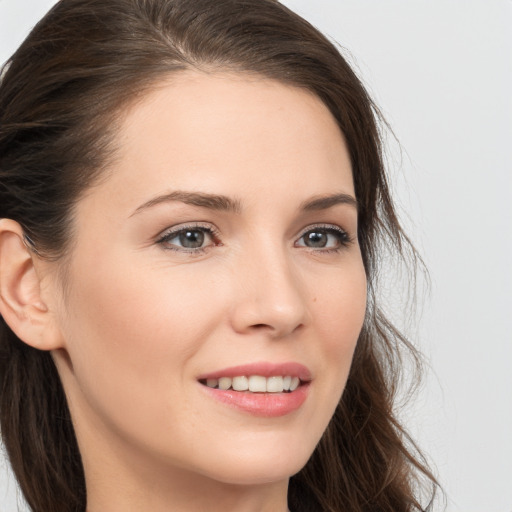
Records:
x=262, y=389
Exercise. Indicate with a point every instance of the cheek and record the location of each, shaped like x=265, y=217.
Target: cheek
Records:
x=130, y=334
x=338, y=319
x=340, y=309
x=134, y=309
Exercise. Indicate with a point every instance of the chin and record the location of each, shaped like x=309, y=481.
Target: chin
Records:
x=248, y=475
x=260, y=465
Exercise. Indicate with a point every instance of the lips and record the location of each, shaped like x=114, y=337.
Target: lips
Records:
x=261, y=389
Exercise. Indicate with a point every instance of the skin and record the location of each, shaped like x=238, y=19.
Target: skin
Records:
x=138, y=320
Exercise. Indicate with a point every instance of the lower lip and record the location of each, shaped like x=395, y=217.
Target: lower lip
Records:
x=268, y=405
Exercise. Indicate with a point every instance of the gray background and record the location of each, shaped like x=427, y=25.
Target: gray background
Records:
x=442, y=73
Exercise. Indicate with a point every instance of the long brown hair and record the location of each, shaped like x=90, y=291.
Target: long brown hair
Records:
x=61, y=97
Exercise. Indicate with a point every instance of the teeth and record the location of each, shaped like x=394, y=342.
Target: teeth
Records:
x=224, y=383
x=240, y=384
x=212, y=383
x=275, y=384
x=256, y=383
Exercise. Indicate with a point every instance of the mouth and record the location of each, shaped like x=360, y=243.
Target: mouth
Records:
x=260, y=389
x=255, y=383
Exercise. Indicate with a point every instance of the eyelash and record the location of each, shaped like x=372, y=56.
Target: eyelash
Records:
x=344, y=239
x=165, y=238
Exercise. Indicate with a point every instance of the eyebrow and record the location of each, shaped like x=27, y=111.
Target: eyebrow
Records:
x=210, y=201
x=328, y=201
x=227, y=204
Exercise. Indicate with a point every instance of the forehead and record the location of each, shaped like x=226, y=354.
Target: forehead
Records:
x=229, y=133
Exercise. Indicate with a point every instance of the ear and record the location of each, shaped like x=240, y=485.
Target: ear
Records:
x=21, y=304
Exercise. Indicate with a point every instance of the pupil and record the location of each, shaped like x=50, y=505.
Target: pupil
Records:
x=316, y=239
x=192, y=239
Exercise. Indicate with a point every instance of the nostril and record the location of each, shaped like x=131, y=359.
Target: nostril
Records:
x=273, y=316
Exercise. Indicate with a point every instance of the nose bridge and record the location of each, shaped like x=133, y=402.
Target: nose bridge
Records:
x=270, y=295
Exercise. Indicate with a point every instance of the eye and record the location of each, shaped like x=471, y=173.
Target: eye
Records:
x=324, y=237
x=188, y=238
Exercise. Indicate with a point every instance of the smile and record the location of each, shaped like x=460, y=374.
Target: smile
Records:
x=255, y=383
x=261, y=389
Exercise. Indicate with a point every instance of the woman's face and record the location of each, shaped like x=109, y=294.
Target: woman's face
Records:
x=222, y=244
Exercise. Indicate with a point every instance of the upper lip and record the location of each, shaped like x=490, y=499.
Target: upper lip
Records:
x=265, y=369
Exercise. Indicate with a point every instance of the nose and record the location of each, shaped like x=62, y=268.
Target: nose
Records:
x=270, y=297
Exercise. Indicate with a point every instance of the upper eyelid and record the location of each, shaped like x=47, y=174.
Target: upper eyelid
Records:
x=174, y=230
x=323, y=225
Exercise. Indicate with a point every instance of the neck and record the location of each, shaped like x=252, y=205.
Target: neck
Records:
x=184, y=493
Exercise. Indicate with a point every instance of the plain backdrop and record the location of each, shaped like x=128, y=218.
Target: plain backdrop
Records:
x=441, y=71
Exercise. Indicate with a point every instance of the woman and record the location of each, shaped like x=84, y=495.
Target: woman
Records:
x=193, y=203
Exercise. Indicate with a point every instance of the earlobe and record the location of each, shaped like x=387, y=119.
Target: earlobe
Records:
x=21, y=304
